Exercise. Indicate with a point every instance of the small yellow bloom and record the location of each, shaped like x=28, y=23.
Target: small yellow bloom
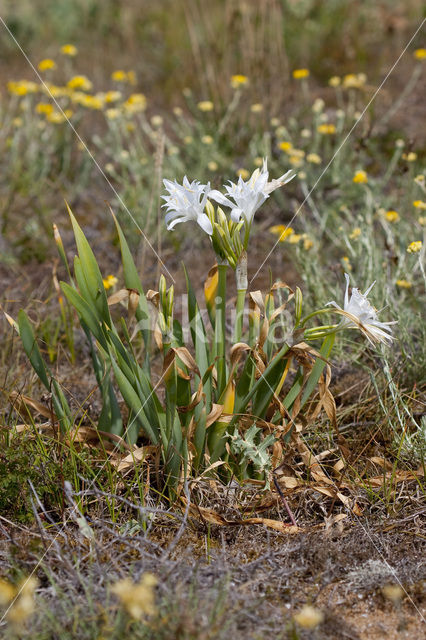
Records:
x=306, y=133
x=420, y=180
x=355, y=233
x=326, y=129
x=137, y=599
x=318, y=105
x=420, y=54
x=55, y=117
x=282, y=231
x=422, y=221
x=256, y=108
x=43, y=107
x=314, y=158
x=334, y=81
x=24, y=605
x=22, y=87
x=112, y=96
x=212, y=165
x=156, y=121
x=243, y=173
x=17, y=122
x=404, y=284
x=91, y=102
x=354, y=80
x=392, y=216
x=295, y=160
x=69, y=50
x=299, y=74
x=419, y=204
x=309, y=617
x=307, y=242
x=275, y=122
x=135, y=102
x=178, y=112
x=258, y=161
x=238, y=81
x=188, y=140
x=360, y=177
x=285, y=146
x=46, y=64
x=79, y=82
x=207, y=140
x=131, y=78
x=295, y=238
x=7, y=593
x=112, y=114
x=109, y=282
x=414, y=247
x=346, y=263
x=173, y=150
x=409, y=157
x=205, y=105
x=119, y=76
x=393, y=592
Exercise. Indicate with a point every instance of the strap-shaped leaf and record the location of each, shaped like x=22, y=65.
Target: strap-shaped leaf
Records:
x=85, y=313
x=32, y=350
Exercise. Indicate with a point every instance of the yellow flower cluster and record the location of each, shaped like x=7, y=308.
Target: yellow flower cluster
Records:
x=124, y=76
x=354, y=80
x=415, y=246
x=326, y=129
x=392, y=216
x=287, y=234
x=69, y=50
x=206, y=105
x=299, y=74
x=238, y=81
x=22, y=87
x=19, y=599
x=79, y=82
x=109, y=281
x=137, y=599
x=360, y=177
x=46, y=64
x=420, y=54
x=403, y=284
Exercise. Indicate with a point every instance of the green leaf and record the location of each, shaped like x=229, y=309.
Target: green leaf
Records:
x=32, y=350
x=85, y=313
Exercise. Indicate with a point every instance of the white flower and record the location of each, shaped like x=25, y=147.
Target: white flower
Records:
x=359, y=313
x=249, y=196
x=187, y=202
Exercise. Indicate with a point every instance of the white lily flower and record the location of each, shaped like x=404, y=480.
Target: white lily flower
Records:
x=187, y=202
x=249, y=196
x=358, y=312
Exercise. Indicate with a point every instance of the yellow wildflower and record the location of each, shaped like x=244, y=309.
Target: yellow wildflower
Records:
x=355, y=233
x=79, y=82
x=404, y=284
x=409, y=157
x=414, y=247
x=188, y=140
x=112, y=96
x=275, y=122
x=56, y=117
x=43, y=107
x=314, y=158
x=420, y=54
x=135, y=102
x=46, y=64
x=109, y=282
x=137, y=599
x=243, y=173
x=299, y=74
x=354, y=80
x=419, y=204
x=285, y=146
x=422, y=221
x=69, y=50
x=258, y=161
x=420, y=180
x=173, y=150
x=295, y=161
x=256, y=108
x=207, y=140
x=205, y=105
x=212, y=165
x=238, y=81
x=282, y=231
x=156, y=121
x=309, y=617
x=178, y=112
x=92, y=102
x=346, y=263
x=119, y=76
x=24, y=605
x=22, y=87
x=334, y=81
x=112, y=114
x=360, y=177
x=306, y=133
x=295, y=238
x=17, y=122
x=326, y=129
x=307, y=242
x=318, y=105
x=392, y=216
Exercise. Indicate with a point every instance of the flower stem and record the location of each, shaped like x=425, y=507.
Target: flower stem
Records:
x=220, y=338
x=238, y=330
